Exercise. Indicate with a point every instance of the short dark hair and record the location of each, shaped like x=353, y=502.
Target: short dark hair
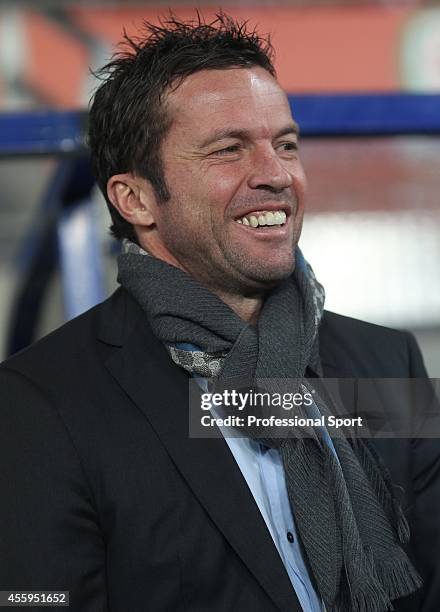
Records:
x=127, y=120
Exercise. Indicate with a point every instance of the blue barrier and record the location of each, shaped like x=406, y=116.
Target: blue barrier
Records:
x=48, y=132
x=63, y=132
x=367, y=114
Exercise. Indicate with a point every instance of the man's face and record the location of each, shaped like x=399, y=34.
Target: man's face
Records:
x=230, y=160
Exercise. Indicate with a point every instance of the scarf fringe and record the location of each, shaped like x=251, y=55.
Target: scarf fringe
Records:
x=401, y=524
x=367, y=596
x=399, y=577
x=370, y=598
x=382, y=486
x=382, y=581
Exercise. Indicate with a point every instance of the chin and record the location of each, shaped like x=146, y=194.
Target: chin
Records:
x=278, y=269
x=272, y=275
x=257, y=273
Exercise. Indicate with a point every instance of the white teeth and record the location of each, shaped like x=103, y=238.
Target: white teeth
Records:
x=270, y=218
x=278, y=217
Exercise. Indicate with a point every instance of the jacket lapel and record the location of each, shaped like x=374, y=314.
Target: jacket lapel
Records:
x=143, y=368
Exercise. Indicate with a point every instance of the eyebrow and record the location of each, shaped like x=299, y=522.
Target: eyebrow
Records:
x=224, y=133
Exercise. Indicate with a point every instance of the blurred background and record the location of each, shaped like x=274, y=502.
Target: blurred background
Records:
x=364, y=84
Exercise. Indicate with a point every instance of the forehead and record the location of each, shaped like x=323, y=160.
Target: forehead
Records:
x=248, y=99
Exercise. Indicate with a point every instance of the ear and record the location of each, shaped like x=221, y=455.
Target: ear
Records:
x=133, y=198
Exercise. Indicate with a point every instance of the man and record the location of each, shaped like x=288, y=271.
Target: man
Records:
x=104, y=494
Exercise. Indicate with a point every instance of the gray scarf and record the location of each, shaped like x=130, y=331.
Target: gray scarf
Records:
x=353, y=530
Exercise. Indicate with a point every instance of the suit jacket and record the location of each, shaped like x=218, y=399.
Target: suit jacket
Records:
x=104, y=494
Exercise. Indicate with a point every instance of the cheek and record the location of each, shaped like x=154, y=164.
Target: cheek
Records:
x=222, y=187
x=223, y=182
x=300, y=187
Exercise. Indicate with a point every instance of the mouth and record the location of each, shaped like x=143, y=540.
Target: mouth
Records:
x=268, y=220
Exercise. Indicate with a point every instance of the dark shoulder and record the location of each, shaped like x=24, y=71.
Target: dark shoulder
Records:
x=68, y=351
x=359, y=348
x=110, y=321
x=76, y=353
x=334, y=323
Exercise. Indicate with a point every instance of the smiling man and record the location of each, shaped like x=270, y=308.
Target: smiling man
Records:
x=235, y=191
x=104, y=494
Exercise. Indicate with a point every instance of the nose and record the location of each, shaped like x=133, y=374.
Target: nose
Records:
x=268, y=171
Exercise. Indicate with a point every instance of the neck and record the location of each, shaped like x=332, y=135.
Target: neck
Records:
x=247, y=308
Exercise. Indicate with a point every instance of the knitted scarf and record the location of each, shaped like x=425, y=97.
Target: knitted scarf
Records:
x=352, y=530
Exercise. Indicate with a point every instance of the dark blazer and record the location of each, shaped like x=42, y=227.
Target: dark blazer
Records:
x=103, y=493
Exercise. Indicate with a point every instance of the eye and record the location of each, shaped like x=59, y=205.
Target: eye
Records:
x=228, y=150
x=289, y=146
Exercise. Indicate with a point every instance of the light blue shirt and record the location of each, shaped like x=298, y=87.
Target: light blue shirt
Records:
x=263, y=471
